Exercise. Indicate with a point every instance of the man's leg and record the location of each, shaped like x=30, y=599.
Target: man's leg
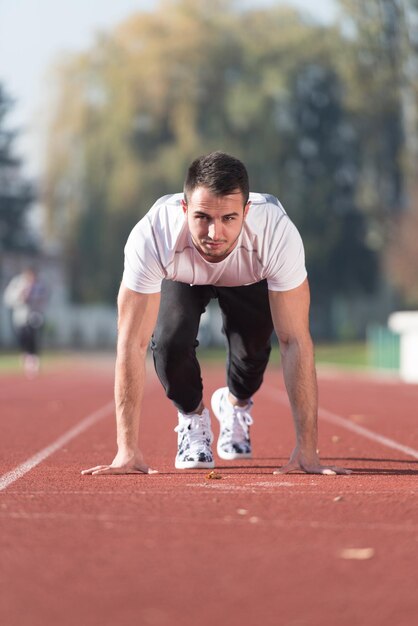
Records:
x=174, y=348
x=28, y=344
x=174, y=342
x=248, y=326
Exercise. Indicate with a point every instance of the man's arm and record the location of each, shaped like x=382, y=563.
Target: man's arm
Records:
x=290, y=312
x=137, y=317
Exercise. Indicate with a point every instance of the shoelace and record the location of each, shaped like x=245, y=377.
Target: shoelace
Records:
x=238, y=422
x=198, y=428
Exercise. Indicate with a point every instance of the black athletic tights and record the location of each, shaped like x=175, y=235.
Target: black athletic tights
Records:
x=247, y=326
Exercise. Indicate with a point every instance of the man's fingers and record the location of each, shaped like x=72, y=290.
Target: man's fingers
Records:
x=331, y=470
x=121, y=470
x=320, y=469
x=340, y=470
x=108, y=469
x=94, y=469
x=287, y=469
x=326, y=470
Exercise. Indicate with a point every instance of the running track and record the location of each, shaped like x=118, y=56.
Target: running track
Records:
x=175, y=548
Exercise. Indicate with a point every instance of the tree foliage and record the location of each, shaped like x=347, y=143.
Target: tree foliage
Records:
x=401, y=257
x=16, y=194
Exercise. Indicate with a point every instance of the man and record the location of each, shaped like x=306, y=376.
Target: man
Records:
x=26, y=296
x=215, y=241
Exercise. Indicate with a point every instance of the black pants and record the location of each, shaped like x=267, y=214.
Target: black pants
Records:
x=247, y=326
x=29, y=339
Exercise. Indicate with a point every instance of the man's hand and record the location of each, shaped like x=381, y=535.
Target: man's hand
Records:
x=137, y=315
x=290, y=312
x=310, y=464
x=123, y=464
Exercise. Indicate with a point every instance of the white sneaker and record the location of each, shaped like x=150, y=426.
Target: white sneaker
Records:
x=234, y=437
x=194, y=441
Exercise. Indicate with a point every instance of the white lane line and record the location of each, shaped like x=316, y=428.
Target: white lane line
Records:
x=333, y=418
x=24, y=468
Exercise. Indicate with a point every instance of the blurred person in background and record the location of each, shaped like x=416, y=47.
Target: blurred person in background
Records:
x=26, y=296
x=215, y=240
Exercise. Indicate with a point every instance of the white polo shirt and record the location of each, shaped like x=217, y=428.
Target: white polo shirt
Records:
x=269, y=247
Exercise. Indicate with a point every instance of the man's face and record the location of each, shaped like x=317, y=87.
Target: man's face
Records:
x=215, y=222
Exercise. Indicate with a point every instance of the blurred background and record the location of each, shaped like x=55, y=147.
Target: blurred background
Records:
x=104, y=104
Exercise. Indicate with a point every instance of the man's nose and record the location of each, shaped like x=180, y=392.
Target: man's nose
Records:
x=214, y=231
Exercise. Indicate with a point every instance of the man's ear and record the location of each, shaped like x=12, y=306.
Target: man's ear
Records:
x=247, y=206
x=184, y=206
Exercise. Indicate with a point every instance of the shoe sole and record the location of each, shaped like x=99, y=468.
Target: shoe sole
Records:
x=226, y=456
x=233, y=456
x=194, y=464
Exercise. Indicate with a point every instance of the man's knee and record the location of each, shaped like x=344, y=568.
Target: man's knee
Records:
x=172, y=344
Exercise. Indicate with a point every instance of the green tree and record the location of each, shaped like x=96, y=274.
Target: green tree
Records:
x=16, y=194
x=373, y=67
x=322, y=150
x=382, y=70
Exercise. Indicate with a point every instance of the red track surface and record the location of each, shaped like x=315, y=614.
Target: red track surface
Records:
x=177, y=548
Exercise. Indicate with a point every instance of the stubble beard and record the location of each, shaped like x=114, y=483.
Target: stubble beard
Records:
x=215, y=254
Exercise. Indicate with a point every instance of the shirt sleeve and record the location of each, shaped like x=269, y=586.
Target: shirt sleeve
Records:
x=286, y=267
x=14, y=292
x=143, y=269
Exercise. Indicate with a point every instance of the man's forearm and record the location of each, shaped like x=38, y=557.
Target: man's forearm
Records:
x=300, y=380
x=129, y=387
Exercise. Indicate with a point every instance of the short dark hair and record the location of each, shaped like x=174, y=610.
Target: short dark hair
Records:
x=220, y=173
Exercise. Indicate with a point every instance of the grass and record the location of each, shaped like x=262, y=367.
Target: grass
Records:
x=349, y=355
x=11, y=362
